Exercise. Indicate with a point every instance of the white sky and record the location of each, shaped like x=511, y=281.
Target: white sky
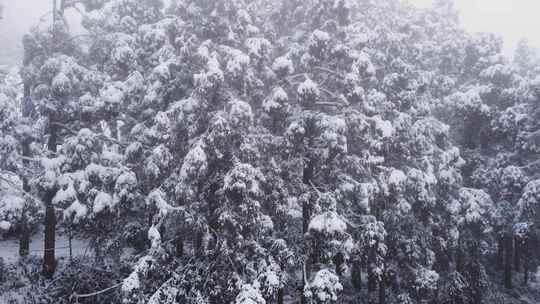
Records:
x=512, y=19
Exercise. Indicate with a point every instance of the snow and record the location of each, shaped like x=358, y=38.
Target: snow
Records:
x=426, y=279
x=249, y=294
x=240, y=113
x=238, y=62
x=397, y=178
x=257, y=47
x=9, y=249
x=5, y=225
x=132, y=282
x=328, y=223
x=155, y=237
x=283, y=65
x=61, y=83
x=102, y=201
x=276, y=100
x=383, y=126
x=76, y=210
x=65, y=195
x=475, y=204
x=324, y=287
x=212, y=76
x=308, y=89
x=320, y=36
x=195, y=163
x=112, y=94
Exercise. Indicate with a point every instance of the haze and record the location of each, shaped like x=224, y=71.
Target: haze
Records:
x=512, y=19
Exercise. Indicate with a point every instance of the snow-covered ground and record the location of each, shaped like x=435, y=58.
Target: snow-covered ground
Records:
x=9, y=249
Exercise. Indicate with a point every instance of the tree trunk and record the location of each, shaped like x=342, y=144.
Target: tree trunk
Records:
x=500, y=252
x=382, y=292
x=517, y=254
x=307, y=176
x=49, y=262
x=24, y=241
x=460, y=259
x=356, y=275
x=70, y=239
x=199, y=250
x=280, y=294
x=526, y=261
x=179, y=246
x=338, y=261
x=508, y=261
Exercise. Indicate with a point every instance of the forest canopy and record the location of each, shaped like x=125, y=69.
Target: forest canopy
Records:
x=269, y=151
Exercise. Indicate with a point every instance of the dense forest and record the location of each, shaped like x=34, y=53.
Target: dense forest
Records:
x=269, y=151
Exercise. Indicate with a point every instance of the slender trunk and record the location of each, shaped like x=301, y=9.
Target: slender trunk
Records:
x=70, y=238
x=356, y=275
x=307, y=176
x=49, y=262
x=517, y=254
x=500, y=252
x=526, y=261
x=382, y=292
x=460, y=259
x=199, y=243
x=508, y=261
x=280, y=294
x=338, y=261
x=24, y=241
x=179, y=245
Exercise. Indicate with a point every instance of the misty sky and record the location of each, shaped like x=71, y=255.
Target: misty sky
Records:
x=512, y=19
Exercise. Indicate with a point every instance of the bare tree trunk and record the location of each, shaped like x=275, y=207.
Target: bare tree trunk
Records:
x=24, y=241
x=70, y=239
x=49, y=263
x=500, y=252
x=356, y=275
x=526, y=262
x=508, y=261
x=280, y=294
x=179, y=245
x=517, y=254
x=382, y=292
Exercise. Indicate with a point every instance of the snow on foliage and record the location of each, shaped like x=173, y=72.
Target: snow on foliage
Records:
x=328, y=224
x=426, y=279
x=324, y=287
x=308, y=91
x=249, y=294
x=475, y=203
x=102, y=202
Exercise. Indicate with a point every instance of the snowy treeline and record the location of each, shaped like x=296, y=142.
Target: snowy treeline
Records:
x=270, y=151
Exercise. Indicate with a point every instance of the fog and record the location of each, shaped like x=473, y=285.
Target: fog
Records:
x=512, y=19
